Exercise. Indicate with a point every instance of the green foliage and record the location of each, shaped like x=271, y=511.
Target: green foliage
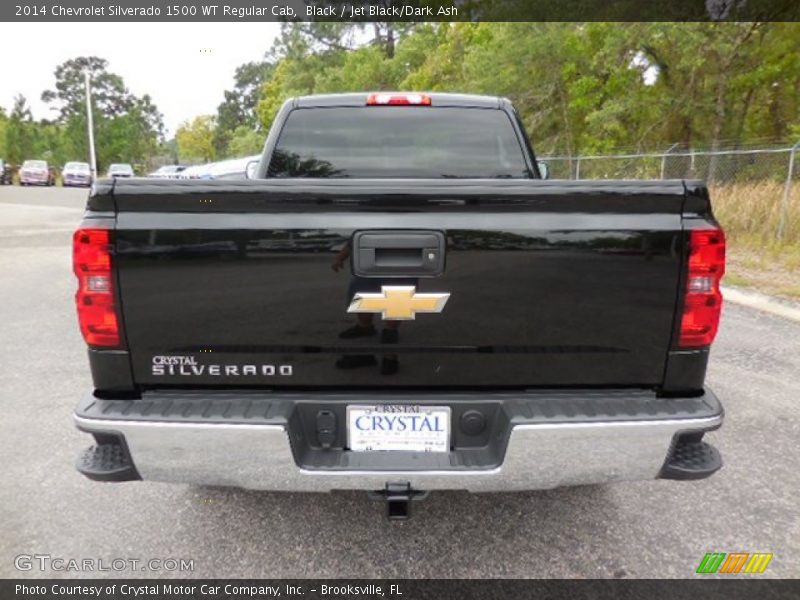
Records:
x=246, y=141
x=20, y=132
x=196, y=138
x=127, y=128
x=239, y=108
x=3, y=131
x=579, y=87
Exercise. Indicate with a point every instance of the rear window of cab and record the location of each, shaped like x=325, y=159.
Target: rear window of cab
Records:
x=398, y=142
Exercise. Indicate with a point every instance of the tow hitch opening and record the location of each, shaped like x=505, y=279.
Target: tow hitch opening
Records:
x=398, y=497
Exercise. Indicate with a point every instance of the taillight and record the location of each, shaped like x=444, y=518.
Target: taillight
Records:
x=91, y=262
x=702, y=301
x=398, y=99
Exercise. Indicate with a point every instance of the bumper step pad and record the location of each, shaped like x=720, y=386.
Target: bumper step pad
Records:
x=692, y=460
x=107, y=462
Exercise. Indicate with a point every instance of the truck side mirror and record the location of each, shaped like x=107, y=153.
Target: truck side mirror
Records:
x=544, y=170
x=250, y=169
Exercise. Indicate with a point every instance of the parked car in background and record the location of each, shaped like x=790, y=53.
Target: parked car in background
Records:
x=5, y=172
x=196, y=172
x=235, y=168
x=167, y=172
x=120, y=170
x=36, y=172
x=76, y=174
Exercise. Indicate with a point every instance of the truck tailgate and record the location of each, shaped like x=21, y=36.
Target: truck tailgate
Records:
x=551, y=283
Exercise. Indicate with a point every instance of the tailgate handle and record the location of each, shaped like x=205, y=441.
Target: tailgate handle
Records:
x=400, y=253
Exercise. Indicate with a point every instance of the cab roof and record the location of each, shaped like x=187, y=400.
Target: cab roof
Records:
x=437, y=99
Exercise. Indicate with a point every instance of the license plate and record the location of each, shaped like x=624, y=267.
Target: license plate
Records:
x=398, y=427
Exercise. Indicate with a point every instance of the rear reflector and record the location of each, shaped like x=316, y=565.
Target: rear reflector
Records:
x=398, y=99
x=91, y=262
x=702, y=302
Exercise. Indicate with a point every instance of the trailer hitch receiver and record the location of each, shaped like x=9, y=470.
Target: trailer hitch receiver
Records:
x=398, y=497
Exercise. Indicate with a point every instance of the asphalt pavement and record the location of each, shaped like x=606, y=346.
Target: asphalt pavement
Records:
x=642, y=529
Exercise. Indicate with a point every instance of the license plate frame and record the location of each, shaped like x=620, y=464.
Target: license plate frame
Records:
x=426, y=439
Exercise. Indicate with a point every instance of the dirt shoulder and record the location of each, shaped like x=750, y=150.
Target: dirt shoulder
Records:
x=773, y=272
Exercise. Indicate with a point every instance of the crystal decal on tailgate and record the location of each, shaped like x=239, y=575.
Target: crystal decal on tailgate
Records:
x=188, y=366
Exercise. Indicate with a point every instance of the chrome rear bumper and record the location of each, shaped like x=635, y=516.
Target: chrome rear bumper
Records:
x=541, y=452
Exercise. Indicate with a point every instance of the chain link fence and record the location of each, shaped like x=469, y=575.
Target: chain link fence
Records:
x=722, y=166
x=716, y=167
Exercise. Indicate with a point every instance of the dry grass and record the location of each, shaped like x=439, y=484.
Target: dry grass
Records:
x=750, y=213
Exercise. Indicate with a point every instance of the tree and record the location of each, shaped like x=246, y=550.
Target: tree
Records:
x=3, y=132
x=238, y=108
x=196, y=138
x=579, y=87
x=246, y=141
x=127, y=128
x=20, y=131
x=338, y=36
x=110, y=98
x=324, y=57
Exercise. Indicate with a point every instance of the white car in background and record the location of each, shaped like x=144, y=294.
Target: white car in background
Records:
x=120, y=170
x=76, y=174
x=235, y=168
x=168, y=172
x=36, y=172
x=195, y=172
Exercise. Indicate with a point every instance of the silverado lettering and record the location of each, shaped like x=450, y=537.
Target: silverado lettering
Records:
x=220, y=370
x=133, y=11
x=307, y=302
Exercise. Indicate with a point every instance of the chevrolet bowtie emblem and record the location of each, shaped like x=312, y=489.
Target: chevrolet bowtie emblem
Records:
x=398, y=302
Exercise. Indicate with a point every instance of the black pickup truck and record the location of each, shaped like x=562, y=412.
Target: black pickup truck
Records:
x=398, y=301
